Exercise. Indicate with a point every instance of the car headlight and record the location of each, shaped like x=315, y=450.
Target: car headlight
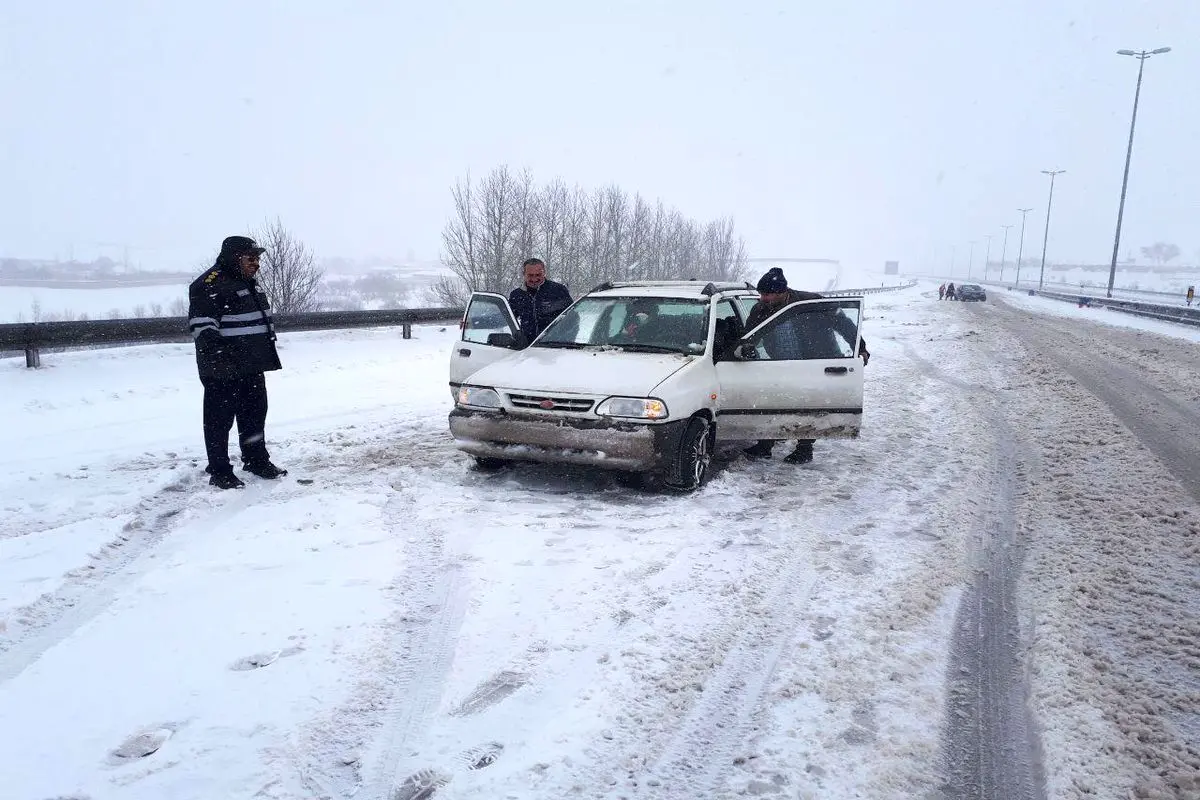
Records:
x=478, y=397
x=636, y=407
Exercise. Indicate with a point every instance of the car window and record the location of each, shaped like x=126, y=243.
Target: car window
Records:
x=747, y=303
x=810, y=331
x=648, y=324
x=485, y=316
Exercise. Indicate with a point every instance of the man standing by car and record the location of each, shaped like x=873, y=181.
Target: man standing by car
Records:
x=229, y=317
x=537, y=301
x=773, y=295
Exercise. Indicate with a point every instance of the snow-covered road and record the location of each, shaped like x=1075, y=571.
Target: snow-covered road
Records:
x=408, y=622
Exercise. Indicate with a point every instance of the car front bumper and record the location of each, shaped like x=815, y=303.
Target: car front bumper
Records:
x=605, y=443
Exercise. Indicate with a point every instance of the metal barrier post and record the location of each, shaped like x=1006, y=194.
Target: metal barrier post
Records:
x=33, y=357
x=406, y=330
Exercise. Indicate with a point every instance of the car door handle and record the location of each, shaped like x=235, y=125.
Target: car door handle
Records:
x=836, y=370
x=464, y=352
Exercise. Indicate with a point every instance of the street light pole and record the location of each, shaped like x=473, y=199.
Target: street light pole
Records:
x=970, y=259
x=1021, y=248
x=1046, y=235
x=1141, y=56
x=987, y=255
x=1004, y=251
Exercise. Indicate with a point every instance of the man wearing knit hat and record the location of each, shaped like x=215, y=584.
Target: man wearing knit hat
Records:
x=773, y=295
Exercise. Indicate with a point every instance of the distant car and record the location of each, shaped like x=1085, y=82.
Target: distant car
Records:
x=971, y=291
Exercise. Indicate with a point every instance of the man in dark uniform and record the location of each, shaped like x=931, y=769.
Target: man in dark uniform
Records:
x=230, y=319
x=773, y=295
x=537, y=301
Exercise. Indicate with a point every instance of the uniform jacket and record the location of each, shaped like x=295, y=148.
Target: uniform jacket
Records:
x=536, y=309
x=816, y=341
x=230, y=318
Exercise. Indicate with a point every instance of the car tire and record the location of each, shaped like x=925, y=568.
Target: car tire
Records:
x=691, y=464
x=489, y=464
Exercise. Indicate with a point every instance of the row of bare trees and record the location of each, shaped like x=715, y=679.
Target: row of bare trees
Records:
x=584, y=237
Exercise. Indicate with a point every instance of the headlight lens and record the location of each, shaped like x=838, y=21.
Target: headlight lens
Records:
x=635, y=407
x=478, y=397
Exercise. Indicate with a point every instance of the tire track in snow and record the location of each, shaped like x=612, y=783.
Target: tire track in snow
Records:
x=695, y=763
x=394, y=705
x=90, y=590
x=989, y=750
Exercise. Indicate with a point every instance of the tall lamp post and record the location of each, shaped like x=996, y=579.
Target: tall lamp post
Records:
x=1141, y=56
x=970, y=260
x=1021, y=248
x=1046, y=235
x=987, y=254
x=1004, y=251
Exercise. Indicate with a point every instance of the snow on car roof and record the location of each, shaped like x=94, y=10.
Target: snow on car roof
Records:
x=679, y=289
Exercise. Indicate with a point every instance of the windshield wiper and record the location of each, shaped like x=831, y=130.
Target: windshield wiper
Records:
x=651, y=348
x=563, y=345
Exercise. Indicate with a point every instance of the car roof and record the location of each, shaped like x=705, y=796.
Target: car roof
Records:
x=669, y=289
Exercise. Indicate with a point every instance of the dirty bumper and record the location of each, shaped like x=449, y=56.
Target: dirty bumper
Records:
x=604, y=443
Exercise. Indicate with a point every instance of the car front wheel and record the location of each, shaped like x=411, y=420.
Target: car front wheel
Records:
x=692, y=462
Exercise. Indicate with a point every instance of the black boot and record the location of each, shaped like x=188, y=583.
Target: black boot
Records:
x=225, y=480
x=264, y=469
x=801, y=455
x=761, y=450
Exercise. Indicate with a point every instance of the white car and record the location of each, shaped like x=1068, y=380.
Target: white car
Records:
x=649, y=377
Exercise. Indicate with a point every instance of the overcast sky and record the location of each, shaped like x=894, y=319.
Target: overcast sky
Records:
x=858, y=131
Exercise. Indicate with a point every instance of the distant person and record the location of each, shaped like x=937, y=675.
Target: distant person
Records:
x=537, y=301
x=230, y=319
x=942, y=291
x=797, y=340
x=950, y=291
x=1191, y=294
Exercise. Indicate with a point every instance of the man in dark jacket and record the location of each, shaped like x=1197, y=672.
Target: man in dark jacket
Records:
x=818, y=342
x=537, y=301
x=230, y=319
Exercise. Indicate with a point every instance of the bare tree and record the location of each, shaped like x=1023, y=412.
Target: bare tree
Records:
x=584, y=237
x=1161, y=252
x=289, y=274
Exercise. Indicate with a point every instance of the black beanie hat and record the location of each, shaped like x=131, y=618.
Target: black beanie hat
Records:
x=773, y=282
x=240, y=245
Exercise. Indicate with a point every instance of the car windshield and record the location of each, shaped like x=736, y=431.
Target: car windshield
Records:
x=636, y=324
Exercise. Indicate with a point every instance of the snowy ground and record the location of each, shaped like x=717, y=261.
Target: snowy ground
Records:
x=543, y=633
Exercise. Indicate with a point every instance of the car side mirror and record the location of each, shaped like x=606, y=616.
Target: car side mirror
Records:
x=745, y=352
x=506, y=340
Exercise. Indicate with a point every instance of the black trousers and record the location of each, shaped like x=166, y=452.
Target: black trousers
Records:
x=241, y=399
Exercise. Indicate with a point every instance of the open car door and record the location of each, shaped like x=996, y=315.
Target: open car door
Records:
x=489, y=333
x=795, y=376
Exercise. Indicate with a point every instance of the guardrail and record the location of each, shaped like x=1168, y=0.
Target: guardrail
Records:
x=871, y=290
x=1175, y=314
x=33, y=337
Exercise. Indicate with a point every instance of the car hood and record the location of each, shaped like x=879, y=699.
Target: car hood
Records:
x=607, y=372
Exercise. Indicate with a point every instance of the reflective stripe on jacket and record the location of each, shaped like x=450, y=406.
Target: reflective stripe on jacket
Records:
x=230, y=319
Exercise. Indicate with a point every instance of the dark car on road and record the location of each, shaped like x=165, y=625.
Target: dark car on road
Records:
x=971, y=291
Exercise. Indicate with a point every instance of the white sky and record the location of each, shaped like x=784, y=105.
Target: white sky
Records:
x=860, y=131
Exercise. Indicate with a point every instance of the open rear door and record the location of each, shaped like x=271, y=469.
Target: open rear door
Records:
x=795, y=376
x=489, y=333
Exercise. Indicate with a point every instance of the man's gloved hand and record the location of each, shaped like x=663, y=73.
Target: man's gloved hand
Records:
x=866, y=356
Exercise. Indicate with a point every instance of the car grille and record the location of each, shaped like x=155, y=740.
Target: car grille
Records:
x=537, y=402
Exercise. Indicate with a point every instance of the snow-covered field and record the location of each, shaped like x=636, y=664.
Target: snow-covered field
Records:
x=543, y=633
x=31, y=303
